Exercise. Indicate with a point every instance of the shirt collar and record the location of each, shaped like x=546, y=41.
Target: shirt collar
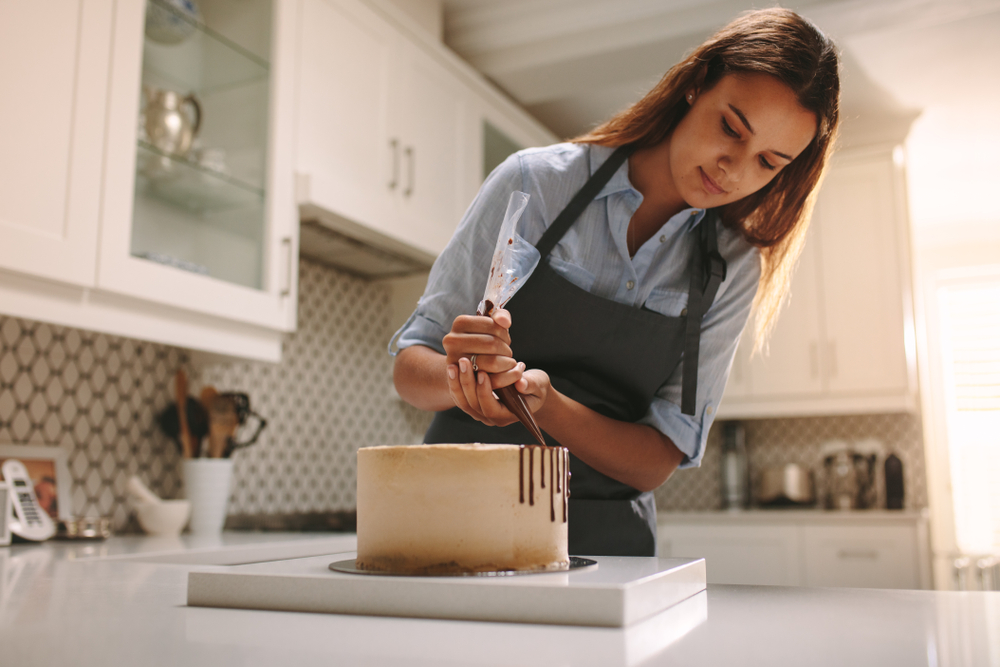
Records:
x=620, y=182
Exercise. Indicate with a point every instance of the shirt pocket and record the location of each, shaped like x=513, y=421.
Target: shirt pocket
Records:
x=577, y=275
x=669, y=302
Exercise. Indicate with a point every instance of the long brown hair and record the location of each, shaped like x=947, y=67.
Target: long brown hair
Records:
x=782, y=44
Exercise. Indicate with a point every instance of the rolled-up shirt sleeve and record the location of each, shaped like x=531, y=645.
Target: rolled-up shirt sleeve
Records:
x=458, y=278
x=720, y=334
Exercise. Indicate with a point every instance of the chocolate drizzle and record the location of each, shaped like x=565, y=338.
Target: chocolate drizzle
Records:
x=558, y=476
x=521, y=478
x=531, y=475
x=541, y=459
x=552, y=501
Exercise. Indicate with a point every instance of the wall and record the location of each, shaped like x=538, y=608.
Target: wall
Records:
x=97, y=397
x=775, y=442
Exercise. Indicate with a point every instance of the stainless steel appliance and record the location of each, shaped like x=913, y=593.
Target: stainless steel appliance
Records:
x=848, y=477
x=787, y=485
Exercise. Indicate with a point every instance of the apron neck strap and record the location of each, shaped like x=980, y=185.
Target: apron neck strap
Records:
x=582, y=199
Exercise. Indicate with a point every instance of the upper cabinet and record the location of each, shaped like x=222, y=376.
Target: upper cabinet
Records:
x=147, y=171
x=159, y=154
x=199, y=213
x=844, y=341
x=53, y=77
x=390, y=132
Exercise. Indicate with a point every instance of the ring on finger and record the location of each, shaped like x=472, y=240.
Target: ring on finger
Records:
x=475, y=367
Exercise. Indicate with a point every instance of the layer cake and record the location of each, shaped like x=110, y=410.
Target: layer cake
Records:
x=438, y=509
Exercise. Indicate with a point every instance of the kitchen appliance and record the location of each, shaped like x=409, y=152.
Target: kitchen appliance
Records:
x=27, y=519
x=894, y=493
x=734, y=466
x=787, y=485
x=848, y=476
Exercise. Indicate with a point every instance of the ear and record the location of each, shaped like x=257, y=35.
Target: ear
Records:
x=698, y=83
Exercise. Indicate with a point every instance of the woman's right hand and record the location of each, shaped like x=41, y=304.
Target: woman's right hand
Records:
x=488, y=339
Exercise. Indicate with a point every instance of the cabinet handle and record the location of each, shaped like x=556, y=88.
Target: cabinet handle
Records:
x=814, y=359
x=844, y=554
x=286, y=289
x=394, y=147
x=411, y=168
x=832, y=348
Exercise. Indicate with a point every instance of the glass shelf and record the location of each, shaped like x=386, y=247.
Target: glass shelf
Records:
x=188, y=185
x=205, y=62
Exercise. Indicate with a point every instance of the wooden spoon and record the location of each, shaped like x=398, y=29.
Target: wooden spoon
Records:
x=184, y=432
x=222, y=422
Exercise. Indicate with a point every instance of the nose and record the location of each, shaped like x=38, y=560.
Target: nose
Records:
x=733, y=164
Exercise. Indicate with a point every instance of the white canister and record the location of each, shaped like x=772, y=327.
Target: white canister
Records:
x=206, y=485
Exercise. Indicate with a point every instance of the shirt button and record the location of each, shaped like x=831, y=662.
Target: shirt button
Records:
x=709, y=411
x=663, y=239
x=630, y=284
x=695, y=212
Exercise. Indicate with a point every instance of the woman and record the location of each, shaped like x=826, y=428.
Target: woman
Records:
x=658, y=233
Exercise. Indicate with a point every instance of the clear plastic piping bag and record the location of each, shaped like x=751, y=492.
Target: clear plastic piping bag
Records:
x=514, y=259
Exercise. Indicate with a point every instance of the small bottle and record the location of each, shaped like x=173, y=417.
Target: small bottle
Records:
x=734, y=466
x=894, y=494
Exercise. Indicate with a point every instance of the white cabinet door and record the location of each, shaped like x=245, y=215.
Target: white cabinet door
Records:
x=861, y=556
x=53, y=74
x=273, y=305
x=737, y=554
x=428, y=117
x=791, y=367
x=345, y=156
x=862, y=280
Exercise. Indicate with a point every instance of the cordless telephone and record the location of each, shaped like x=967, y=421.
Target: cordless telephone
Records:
x=27, y=519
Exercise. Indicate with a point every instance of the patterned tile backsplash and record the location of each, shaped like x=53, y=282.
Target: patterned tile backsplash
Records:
x=97, y=397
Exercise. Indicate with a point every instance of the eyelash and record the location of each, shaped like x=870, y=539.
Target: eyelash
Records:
x=736, y=135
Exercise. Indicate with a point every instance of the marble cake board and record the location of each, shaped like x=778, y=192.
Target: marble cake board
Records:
x=617, y=593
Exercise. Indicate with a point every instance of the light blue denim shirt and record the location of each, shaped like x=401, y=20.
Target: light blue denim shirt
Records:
x=593, y=255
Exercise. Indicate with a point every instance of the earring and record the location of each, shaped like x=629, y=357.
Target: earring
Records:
x=690, y=97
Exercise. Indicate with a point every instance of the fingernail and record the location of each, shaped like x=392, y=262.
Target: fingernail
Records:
x=452, y=373
x=463, y=365
x=481, y=378
x=521, y=366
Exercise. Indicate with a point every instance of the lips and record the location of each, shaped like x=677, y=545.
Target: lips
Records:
x=710, y=186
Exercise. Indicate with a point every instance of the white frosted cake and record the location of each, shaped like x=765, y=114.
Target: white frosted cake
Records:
x=427, y=509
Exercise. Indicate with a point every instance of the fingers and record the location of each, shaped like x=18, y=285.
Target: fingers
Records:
x=475, y=324
x=473, y=394
x=502, y=318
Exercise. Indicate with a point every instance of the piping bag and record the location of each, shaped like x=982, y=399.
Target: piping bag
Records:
x=514, y=259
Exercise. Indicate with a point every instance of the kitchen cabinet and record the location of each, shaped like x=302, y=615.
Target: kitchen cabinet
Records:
x=53, y=73
x=844, y=341
x=205, y=257
x=390, y=129
x=766, y=555
x=870, y=549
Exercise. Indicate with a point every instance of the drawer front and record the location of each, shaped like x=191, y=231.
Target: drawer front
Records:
x=756, y=555
x=861, y=557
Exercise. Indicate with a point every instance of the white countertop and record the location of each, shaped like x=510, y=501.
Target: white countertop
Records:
x=92, y=604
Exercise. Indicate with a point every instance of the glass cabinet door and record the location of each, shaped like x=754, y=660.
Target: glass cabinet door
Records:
x=202, y=137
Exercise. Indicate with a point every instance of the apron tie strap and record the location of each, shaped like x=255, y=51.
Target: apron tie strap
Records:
x=704, y=286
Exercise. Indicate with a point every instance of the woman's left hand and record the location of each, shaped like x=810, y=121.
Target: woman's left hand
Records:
x=473, y=392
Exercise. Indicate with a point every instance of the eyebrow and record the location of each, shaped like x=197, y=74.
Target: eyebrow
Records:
x=746, y=123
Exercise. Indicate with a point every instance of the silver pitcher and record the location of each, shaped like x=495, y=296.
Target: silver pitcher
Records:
x=168, y=125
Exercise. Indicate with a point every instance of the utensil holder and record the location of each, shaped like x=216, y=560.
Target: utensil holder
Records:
x=206, y=485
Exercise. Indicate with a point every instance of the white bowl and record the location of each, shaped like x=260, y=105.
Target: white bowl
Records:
x=167, y=517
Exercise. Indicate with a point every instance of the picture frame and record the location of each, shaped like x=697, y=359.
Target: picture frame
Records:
x=49, y=472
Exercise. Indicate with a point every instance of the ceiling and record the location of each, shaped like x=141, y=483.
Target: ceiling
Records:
x=921, y=70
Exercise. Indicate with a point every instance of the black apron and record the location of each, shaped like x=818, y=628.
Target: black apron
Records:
x=609, y=356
